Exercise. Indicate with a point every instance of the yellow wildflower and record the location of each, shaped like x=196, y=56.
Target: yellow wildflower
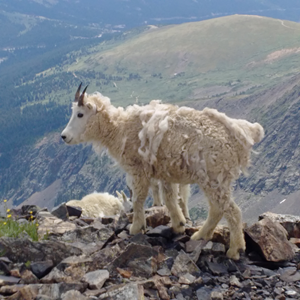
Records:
x=36, y=224
x=8, y=210
x=8, y=216
x=4, y=223
x=30, y=212
x=5, y=200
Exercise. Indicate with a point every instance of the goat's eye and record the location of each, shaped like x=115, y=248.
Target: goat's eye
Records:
x=79, y=115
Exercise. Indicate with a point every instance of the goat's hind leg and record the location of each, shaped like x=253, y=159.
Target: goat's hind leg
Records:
x=233, y=216
x=170, y=196
x=154, y=184
x=140, y=187
x=215, y=214
x=184, y=194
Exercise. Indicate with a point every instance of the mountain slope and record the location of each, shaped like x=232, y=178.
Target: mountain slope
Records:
x=245, y=66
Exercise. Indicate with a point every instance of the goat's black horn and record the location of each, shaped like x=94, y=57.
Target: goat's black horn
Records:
x=80, y=101
x=77, y=95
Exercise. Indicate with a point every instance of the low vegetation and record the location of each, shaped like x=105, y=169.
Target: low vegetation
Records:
x=13, y=228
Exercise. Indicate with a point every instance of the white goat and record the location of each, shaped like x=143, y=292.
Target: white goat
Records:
x=97, y=205
x=175, y=145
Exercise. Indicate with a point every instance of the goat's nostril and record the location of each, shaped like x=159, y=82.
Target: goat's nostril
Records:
x=63, y=137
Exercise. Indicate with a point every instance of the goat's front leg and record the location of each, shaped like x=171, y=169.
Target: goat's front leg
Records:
x=140, y=187
x=170, y=196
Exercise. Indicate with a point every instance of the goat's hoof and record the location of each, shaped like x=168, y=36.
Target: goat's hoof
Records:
x=180, y=228
x=136, y=229
x=199, y=236
x=233, y=254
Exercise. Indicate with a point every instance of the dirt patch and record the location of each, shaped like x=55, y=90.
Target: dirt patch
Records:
x=274, y=56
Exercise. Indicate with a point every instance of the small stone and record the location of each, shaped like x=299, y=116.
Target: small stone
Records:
x=156, y=216
x=291, y=293
x=28, y=277
x=74, y=211
x=15, y=273
x=217, y=269
x=61, y=212
x=164, y=271
x=124, y=273
x=191, y=245
x=207, y=248
x=161, y=230
x=203, y=293
x=234, y=281
x=96, y=279
x=122, y=222
x=216, y=295
x=289, y=274
x=71, y=295
x=183, y=264
x=128, y=292
x=218, y=249
x=8, y=280
x=186, y=279
x=41, y=268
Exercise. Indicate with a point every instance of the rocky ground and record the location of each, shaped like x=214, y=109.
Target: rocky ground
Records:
x=81, y=258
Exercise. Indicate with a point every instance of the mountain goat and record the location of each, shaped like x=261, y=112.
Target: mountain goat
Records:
x=97, y=205
x=176, y=145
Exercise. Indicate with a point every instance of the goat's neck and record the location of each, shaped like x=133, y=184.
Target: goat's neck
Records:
x=109, y=133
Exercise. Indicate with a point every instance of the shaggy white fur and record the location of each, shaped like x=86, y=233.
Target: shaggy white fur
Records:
x=176, y=146
x=97, y=205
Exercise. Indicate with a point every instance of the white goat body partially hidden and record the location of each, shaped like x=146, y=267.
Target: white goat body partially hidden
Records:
x=97, y=205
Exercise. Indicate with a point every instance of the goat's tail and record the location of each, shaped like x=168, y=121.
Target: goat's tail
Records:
x=245, y=132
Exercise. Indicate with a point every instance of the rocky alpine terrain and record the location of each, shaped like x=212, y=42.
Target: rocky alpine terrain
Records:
x=81, y=258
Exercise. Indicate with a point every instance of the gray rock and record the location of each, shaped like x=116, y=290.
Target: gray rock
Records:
x=72, y=295
x=23, y=250
x=291, y=223
x=95, y=279
x=7, y=280
x=271, y=237
x=125, y=292
x=234, y=281
x=70, y=270
x=61, y=212
x=218, y=249
x=121, y=222
x=41, y=268
x=203, y=293
x=183, y=264
x=216, y=268
x=161, y=230
x=136, y=256
x=74, y=211
x=49, y=224
x=89, y=234
x=216, y=295
x=289, y=274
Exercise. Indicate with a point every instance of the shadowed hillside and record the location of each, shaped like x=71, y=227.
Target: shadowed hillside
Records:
x=242, y=65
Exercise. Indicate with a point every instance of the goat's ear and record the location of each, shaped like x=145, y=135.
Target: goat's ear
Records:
x=119, y=195
x=124, y=196
x=91, y=106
